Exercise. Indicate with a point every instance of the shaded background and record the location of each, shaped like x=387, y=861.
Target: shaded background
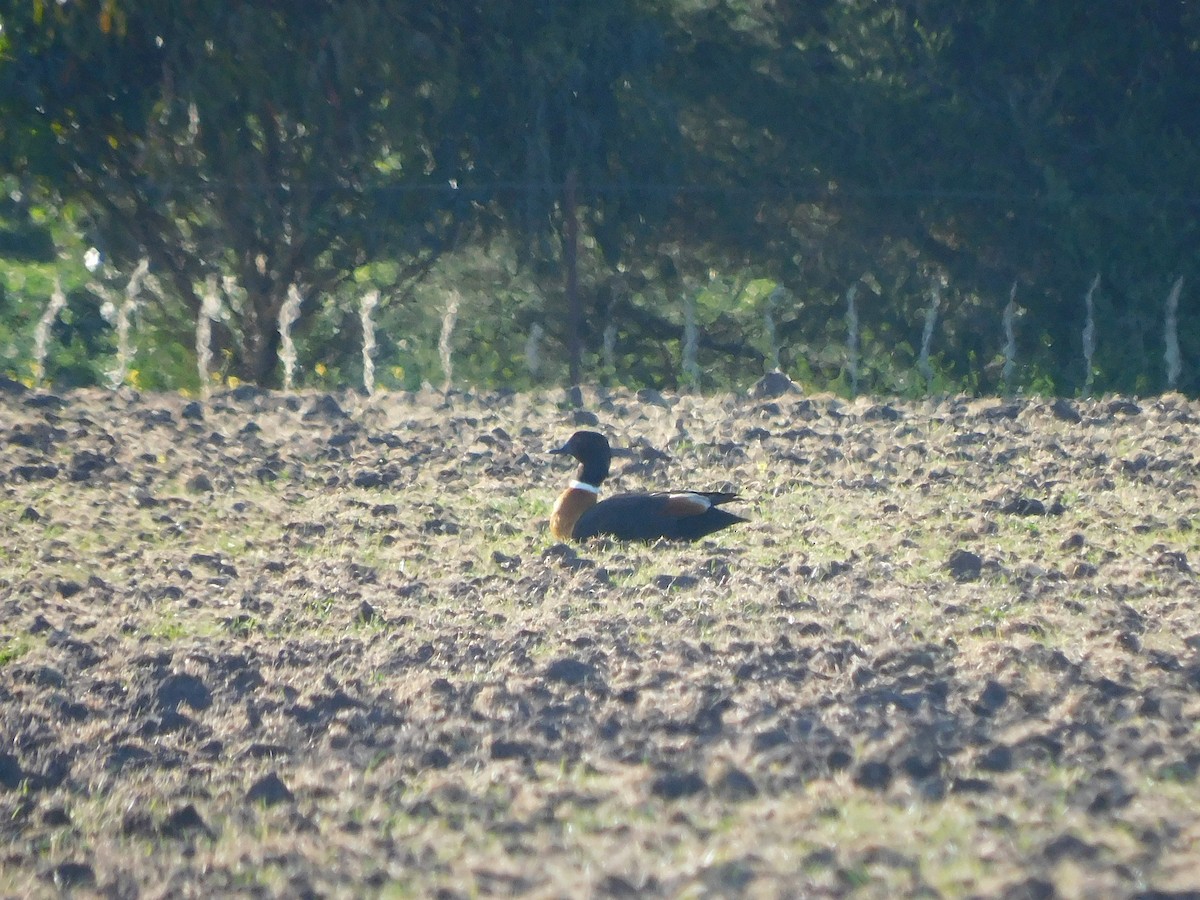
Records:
x=674, y=194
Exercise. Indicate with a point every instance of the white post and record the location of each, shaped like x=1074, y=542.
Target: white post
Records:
x=533, y=353
x=210, y=311
x=773, y=300
x=445, y=351
x=369, y=301
x=288, y=314
x=41, y=334
x=124, y=320
x=1171, y=335
x=852, y=337
x=1089, y=335
x=691, y=366
x=931, y=314
x=608, y=346
x=1010, y=340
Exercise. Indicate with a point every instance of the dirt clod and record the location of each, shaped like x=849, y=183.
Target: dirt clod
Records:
x=185, y=822
x=269, y=790
x=874, y=774
x=677, y=785
x=179, y=689
x=964, y=565
x=993, y=697
x=733, y=784
x=570, y=671
x=72, y=875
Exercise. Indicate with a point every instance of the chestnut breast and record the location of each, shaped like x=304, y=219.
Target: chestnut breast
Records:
x=571, y=504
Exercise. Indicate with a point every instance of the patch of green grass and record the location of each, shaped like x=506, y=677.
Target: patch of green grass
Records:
x=169, y=628
x=321, y=607
x=242, y=625
x=13, y=649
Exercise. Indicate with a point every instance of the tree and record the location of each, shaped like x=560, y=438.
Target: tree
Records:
x=272, y=144
x=654, y=147
x=988, y=143
x=563, y=127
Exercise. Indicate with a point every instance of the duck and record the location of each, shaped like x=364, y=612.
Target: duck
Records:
x=579, y=513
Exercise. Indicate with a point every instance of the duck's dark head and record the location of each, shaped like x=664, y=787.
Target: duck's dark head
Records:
x=592, y=451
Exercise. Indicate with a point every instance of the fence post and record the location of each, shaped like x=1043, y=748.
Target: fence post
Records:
x=690, y=364
x=1089, y=335
x=369, y=301
x=210, y=311
x=124, y=319
x=533, y=353
x=1010, y=340
x=289, y=312
x=852, y=337
x=931, y=314
x=41, y=334
x=445, y=349
x=1171, y=336
x=769, y=331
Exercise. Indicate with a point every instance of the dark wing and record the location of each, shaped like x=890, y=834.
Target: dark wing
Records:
x=681, y=515
x=698, y=501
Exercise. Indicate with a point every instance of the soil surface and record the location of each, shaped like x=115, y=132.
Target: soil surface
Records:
x=323, y=645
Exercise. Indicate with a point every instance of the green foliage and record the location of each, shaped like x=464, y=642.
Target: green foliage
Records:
x=234, y=140
x=750, y=158
x=39, y=243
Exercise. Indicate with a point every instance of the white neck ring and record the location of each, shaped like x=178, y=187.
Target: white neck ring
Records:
x=583, y=486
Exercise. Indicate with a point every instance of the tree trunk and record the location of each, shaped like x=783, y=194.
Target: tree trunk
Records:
x=260, y=341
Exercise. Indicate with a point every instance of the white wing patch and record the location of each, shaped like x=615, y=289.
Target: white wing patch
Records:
x=687, y=504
